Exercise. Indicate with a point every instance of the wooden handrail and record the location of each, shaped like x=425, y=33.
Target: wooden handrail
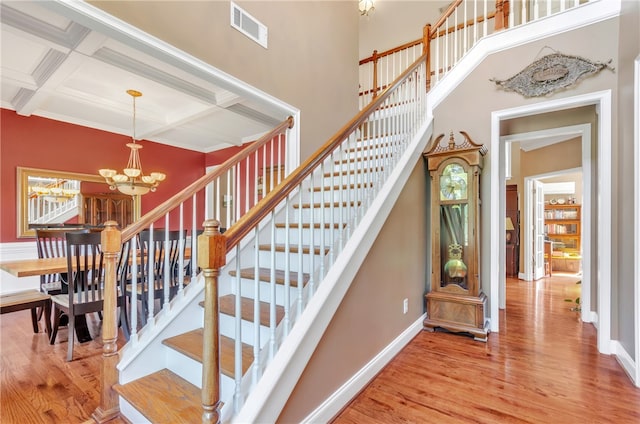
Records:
x=391, y=51
x=469, y=23
x=160, y=210
x=445, y=15
x=249, y=220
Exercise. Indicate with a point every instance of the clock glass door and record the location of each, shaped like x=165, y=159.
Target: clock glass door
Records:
x=454, y=228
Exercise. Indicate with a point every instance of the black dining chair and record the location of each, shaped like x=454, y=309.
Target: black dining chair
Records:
x=85, y=269
x=52, y=243
x=163, y=244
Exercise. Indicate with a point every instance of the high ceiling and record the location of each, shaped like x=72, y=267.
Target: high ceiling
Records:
x=58, y=64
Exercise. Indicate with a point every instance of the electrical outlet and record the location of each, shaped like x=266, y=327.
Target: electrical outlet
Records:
x=405, y=306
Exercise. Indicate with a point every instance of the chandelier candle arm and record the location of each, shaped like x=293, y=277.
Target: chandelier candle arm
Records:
x=132, y=180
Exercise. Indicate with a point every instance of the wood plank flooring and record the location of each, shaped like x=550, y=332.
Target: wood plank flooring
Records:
x=37, y=384
x=543, y=367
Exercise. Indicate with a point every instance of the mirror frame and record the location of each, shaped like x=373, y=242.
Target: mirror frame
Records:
x=23, y=190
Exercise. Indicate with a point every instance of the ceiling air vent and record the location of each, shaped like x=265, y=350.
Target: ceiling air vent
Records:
x=248, y=25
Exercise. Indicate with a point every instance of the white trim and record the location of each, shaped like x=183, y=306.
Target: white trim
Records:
x=624, y=359
x=602, y=100
x=326, y=411
x=636, y=167
x=98, y=20
x=584, y=132
x=581, y=16
x=13, y=252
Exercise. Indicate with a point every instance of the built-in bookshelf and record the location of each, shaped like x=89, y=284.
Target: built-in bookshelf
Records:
x=562, y=227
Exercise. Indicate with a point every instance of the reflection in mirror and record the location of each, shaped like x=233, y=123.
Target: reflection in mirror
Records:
x=47, y=197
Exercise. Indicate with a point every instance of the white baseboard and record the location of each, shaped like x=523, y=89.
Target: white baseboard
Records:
x=625, y=360
x=341, y=397
x=14, y=252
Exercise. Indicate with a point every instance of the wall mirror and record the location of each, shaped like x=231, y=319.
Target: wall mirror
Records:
x=49, y=197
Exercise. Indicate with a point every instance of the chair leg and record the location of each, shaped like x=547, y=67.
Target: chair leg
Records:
x=47, y=317
x=57, y=313
x=71, y=338
x=34, y=319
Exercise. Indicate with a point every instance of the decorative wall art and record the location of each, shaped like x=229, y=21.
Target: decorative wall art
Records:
x=550, y=73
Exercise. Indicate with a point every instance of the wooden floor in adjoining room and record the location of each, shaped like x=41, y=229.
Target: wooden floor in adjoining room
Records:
x=543, y=367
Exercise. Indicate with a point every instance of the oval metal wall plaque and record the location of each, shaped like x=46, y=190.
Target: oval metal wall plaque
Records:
x=550, y=73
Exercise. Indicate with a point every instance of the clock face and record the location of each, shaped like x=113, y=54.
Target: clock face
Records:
x=453, y=183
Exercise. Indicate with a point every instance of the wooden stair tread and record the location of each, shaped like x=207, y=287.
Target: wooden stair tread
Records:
x=363, y=158
x=354, y=172
x=343, y=186
x=190, y=344
x=293, y=248
x=264, y=274
x=327, y=205
x=228, y=306
x=306, y=225
x=164, y=397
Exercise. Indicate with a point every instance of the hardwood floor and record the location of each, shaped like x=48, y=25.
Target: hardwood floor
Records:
x=38, y=385
x=543, y=367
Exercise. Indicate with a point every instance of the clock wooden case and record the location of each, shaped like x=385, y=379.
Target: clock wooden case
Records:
x=456, y=301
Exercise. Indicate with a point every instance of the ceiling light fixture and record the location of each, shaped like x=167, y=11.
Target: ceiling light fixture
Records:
x=366, y=7
x=133, y=181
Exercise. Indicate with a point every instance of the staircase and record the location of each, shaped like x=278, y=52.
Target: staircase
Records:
x=289, y=260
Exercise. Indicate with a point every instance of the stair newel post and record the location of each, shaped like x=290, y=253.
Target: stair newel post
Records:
x=375, y=73
x=426, y=49
x=502, y=15
x=111, y=241
x=212, y=252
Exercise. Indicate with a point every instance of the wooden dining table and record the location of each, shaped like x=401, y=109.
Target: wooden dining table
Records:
x=43, y=266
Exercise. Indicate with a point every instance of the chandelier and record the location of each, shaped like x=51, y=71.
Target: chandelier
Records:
x=132, y=181
x=366, y=7
x=57, y=191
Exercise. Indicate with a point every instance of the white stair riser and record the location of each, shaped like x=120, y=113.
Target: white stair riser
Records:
x=340, y=195
x=379, y=162
x=305, y=234
x=265, y=260
x=318, y=212
x=228, y=328
x=247, y=290
x=184, y=366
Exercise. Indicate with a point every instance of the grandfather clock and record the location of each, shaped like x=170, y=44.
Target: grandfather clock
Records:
x=456, y=301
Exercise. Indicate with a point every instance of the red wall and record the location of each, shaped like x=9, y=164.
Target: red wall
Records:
x=36, y=142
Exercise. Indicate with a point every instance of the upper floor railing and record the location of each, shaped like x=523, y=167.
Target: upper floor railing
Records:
x=445, y=43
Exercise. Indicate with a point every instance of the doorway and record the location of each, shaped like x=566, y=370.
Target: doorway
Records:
x=602, y=254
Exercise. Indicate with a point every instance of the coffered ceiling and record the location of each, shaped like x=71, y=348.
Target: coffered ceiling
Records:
x=66, y=67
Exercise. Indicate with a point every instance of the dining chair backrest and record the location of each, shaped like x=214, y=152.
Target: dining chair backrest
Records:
x=85, y=268
x=52, y=243
x=164, y=244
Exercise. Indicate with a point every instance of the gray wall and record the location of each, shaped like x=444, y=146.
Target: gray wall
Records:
x=623, y=264
x=311, y=62
x=477, y=97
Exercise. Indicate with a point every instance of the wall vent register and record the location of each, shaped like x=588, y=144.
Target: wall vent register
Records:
x=248, y=25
